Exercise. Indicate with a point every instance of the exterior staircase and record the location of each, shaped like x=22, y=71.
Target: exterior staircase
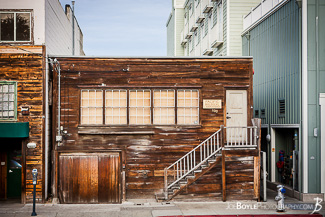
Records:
x=204, y=157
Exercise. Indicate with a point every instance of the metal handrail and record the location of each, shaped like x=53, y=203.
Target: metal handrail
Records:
x=207, y=149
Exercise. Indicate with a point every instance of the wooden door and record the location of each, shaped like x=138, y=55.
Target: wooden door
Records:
x=236, y=115
x=3, y=173
x=90, y=178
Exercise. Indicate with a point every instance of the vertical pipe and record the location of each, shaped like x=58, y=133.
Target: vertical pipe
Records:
x=304, y=94
x=73, y=41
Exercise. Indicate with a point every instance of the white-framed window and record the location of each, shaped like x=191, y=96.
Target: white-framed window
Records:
x=91, y=107
x=164, y=107
x=8, y=100
x=188, y=107
x=139, y=107
x=15, y=26
x=115, y=107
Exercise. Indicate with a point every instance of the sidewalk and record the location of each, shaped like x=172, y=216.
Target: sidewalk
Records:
x=150, y=208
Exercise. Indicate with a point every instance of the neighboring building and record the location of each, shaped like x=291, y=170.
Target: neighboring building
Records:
x=22, y=110
x=124, y=120
x=287, y=42
x=40, y=22
x=206, y=27
x=29, y=32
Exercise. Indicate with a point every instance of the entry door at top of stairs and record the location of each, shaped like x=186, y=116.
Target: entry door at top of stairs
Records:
x=236, y=111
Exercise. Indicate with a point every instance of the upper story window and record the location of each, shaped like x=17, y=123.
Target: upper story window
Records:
x=188, y=107
x=140, y=104
x=8, y=100
x=139, y=107
x=15, y=26
x=91, y=107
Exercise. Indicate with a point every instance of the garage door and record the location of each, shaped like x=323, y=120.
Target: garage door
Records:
x=90, y=178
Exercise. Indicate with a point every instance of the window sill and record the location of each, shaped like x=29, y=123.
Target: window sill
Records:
x=131, y=130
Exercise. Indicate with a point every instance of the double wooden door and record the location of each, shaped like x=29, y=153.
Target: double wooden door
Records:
x=90, y=178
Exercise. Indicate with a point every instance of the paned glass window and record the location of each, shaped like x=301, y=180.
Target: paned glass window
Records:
x=188, y=107
x=140, y=107
x=164, y=107
x=15, y=26
x=91, y=107
x=8, y=102
x=115, y=107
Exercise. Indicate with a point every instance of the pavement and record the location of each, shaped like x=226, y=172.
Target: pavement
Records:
x=151, y=208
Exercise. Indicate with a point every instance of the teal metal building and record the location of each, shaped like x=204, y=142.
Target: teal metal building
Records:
x=287, y=43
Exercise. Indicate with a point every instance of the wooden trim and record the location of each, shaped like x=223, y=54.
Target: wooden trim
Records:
x=224, y=188
x=23, y=171
x=43, y=122
x=140, y=87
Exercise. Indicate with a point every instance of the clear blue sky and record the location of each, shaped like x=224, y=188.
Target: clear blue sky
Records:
x=123, y=28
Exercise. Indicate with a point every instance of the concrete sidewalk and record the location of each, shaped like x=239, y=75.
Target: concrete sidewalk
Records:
x=150, y=208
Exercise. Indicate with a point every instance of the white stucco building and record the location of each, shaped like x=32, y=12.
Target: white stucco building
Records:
x=40, y=22
x=206, y=27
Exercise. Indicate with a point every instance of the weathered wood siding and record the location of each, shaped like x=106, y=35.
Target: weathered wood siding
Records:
x=28, y=70
x=147, y=150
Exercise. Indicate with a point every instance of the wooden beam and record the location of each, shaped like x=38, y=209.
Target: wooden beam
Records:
x=224, y=189
x=257, y=161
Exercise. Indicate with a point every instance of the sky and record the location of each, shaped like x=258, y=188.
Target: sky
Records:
x=123, y=28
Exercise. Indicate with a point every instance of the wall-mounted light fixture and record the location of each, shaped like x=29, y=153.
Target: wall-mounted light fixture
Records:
x=31, y=145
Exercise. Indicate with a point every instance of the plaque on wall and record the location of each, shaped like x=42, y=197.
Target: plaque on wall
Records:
x=212, y=104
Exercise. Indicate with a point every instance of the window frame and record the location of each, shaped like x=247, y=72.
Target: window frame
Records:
x=128, y=89
x=126, y=107
x=129, y=107
x=198, y=107
x=15, y=100
x=31, y=25
x=168, y=107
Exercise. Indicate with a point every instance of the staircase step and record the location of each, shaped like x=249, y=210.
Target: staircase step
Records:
x=184, y=181
x=190, y=176
x=198, y=171
x=160, y=196
x=175, y=187
x=212, y=160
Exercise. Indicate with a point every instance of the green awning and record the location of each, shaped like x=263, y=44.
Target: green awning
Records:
x=14, y=130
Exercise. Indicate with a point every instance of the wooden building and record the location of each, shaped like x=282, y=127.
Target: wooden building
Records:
x=123, y=121
x=22, y=110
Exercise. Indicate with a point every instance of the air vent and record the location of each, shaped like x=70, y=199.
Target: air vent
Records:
x=282, y=108
x=262, y=113
x=256, y=113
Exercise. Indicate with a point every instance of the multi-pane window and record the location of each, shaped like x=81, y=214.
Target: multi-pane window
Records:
x=164, y=107
x=15, y=26
x=91, y=107
x=188, y=107
x=140, y=107
x=8, y=102
x=115, y=107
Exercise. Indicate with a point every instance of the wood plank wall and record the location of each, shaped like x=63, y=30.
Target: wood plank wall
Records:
x=28, y=70
x=147, y=150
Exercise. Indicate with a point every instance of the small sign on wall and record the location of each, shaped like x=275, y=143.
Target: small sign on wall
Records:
x=212, y=104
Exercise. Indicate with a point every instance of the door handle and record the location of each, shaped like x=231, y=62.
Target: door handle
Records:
x=10, y=171
x=228, y=117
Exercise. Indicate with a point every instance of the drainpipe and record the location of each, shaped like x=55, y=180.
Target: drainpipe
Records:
x=58, y=68
x=73, y=27
x=304, y=95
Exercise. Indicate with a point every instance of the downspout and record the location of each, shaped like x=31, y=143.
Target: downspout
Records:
x=304, y=94
x=58, y=68
x=73, y=40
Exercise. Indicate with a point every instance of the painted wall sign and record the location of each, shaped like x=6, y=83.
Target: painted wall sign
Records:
x=212, y=104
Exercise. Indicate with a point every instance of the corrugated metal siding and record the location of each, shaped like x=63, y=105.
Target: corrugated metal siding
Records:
x=274, y=45
x=238, y=8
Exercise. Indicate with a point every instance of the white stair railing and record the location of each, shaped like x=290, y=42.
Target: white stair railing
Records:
x=236, y=137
